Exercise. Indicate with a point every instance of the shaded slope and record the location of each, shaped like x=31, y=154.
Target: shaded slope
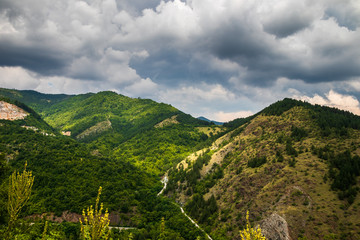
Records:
x=67, y=175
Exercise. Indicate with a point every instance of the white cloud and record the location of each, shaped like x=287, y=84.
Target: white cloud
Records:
x=228, y=116
x=203, y=56
x=201, y=92
x=336, y=100
x=172, y=23
x=17, y=77
x=145, y=88
x=354, y=84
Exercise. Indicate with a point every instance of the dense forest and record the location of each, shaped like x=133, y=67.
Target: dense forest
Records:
x=68, y=174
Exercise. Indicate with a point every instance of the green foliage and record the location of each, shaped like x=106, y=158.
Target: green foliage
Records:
x=202, y=210
x=196, y=184
x=20, y=185
x=37, y=101
x=292, y=162
x=298, y=133
x=33, y=119
x=256, y=162
x=343, y=170
x=238, y=122
x=158, y=149
x=290, y=150
x=96, y=224
x=328, y=119
x=67, y=173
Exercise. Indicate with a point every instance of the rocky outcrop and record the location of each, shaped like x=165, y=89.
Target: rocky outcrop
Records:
x=167, y=122
x=275, y=228
x=96, y=129
x=11, y=112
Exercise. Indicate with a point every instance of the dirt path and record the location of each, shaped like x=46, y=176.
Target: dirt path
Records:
x=165, y=181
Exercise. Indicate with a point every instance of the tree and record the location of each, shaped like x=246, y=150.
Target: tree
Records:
x=20, y=185
x=96, y=225
x=250, y=233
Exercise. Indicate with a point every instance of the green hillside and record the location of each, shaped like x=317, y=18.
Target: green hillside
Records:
x=152, y=135
x=35, y=100
x=67, y=177
x=294, y=166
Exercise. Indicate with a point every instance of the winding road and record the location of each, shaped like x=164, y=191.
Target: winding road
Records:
x=165, y=181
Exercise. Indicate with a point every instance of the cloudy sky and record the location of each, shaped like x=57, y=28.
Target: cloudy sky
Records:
x=221, y=59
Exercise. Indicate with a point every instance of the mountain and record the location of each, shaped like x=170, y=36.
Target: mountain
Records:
x=294, y=166
x=207, y=120
x=67, y=177
x=149, y=134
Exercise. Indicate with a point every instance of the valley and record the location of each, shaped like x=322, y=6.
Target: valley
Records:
x=294, y=166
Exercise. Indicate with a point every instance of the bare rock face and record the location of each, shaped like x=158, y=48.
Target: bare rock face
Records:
x=11, y=112
x=275, y=228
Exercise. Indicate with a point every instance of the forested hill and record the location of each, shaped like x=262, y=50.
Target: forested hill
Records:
x=68, y=175
x=91, y=116
x=149, y=134
x=294, y=166
x=35, y=100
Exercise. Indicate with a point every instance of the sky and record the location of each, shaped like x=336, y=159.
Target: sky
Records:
x=220, y=59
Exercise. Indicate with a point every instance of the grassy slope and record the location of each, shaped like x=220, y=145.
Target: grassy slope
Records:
x=299, y=193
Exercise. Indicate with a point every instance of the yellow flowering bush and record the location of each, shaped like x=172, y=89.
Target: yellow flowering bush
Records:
x=20, y=185
x=96, y=224
x=250, y=233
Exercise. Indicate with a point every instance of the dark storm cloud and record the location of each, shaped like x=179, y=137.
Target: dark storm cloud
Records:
x=172, y=68
x=137, y=6
x=345, y=14
x=283, y=28
x=37, y=60
x=267, y=59
x=225, y=49
x=237, y=41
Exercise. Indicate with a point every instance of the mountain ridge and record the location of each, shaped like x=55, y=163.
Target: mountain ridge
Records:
x=284, y=161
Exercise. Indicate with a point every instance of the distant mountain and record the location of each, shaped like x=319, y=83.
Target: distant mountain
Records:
x=294, y=166
x=211, y=121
